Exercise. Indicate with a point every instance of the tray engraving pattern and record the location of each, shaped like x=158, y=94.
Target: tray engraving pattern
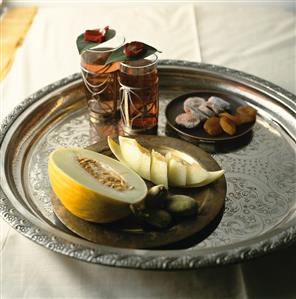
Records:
x=260, y=194
x=253, y=205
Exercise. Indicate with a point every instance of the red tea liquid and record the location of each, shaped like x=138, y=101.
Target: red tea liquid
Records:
x=101, y=84
x=139, y=104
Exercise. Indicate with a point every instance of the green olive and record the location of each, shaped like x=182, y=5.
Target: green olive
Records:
x=156, y=197
x=158, y=219
x=181, y=205
x=152, y=218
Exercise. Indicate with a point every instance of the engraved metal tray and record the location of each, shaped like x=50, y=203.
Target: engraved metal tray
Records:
x=260, y=210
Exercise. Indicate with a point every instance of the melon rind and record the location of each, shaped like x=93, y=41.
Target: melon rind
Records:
x=86, y=197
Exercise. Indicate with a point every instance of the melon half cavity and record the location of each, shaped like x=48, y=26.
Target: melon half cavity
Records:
x=92, y=186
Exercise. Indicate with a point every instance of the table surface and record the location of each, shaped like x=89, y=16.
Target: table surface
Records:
x=257, y=39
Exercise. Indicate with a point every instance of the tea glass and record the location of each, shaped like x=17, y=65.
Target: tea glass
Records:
x=101, y=81
x=139, y=96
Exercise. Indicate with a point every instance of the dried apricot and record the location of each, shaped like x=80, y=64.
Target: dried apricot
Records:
x=228, y=125
x=247, y=110
x=245, y=118
x=234, y=118
x=212, y=126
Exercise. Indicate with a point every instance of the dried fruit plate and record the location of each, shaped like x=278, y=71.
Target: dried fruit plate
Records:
x=198, y=134
x=260, y=202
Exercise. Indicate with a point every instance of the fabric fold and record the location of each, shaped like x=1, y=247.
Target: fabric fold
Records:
x=13, y=28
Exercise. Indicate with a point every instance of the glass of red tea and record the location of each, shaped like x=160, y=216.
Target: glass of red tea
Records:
x=101, y=80
x=139, y=97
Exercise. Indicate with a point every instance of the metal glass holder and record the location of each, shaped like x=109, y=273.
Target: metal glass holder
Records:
x=126, y=95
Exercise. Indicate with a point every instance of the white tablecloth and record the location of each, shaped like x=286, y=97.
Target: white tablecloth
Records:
x=257, y=39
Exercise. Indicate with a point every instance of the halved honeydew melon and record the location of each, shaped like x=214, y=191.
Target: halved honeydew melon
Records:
x=92, y=186
x=177, y=170
x=195, y=174
x=212, y=176
x=141, y=162
x=159, y=169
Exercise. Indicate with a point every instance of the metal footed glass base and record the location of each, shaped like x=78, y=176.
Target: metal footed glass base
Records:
x=142, y=131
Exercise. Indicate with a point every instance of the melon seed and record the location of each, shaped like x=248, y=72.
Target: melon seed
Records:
x=104, y=175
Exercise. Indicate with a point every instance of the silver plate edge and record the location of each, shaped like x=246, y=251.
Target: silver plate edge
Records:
x=141, y=259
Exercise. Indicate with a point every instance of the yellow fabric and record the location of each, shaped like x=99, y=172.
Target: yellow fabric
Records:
x=13, y=28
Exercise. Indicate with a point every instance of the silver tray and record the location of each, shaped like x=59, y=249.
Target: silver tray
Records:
x=260, y=211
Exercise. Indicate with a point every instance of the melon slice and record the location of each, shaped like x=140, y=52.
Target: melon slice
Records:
x=168, y=170
x=141, y=160
x=159, y=169
x=130, y=153
x=212, y=176
x=195, y=174
x=177, y=170
x=92, y=186
x=115, y=149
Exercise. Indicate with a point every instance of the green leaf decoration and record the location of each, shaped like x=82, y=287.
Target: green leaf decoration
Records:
x=83, y=45
x=118, y=54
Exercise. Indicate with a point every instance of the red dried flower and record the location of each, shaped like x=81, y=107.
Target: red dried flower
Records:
x=95, y=35
x=133, y=49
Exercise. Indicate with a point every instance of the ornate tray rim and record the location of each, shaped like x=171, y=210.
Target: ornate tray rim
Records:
x=55, y=240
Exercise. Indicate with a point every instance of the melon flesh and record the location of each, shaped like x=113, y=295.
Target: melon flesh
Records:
x=137, y=156
x=159, y=171
x=84, y=194
x=170, y=170
x=116, y=150
x=212, y=176
x=195, y=174
x=177, y=170
x=130, y=153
